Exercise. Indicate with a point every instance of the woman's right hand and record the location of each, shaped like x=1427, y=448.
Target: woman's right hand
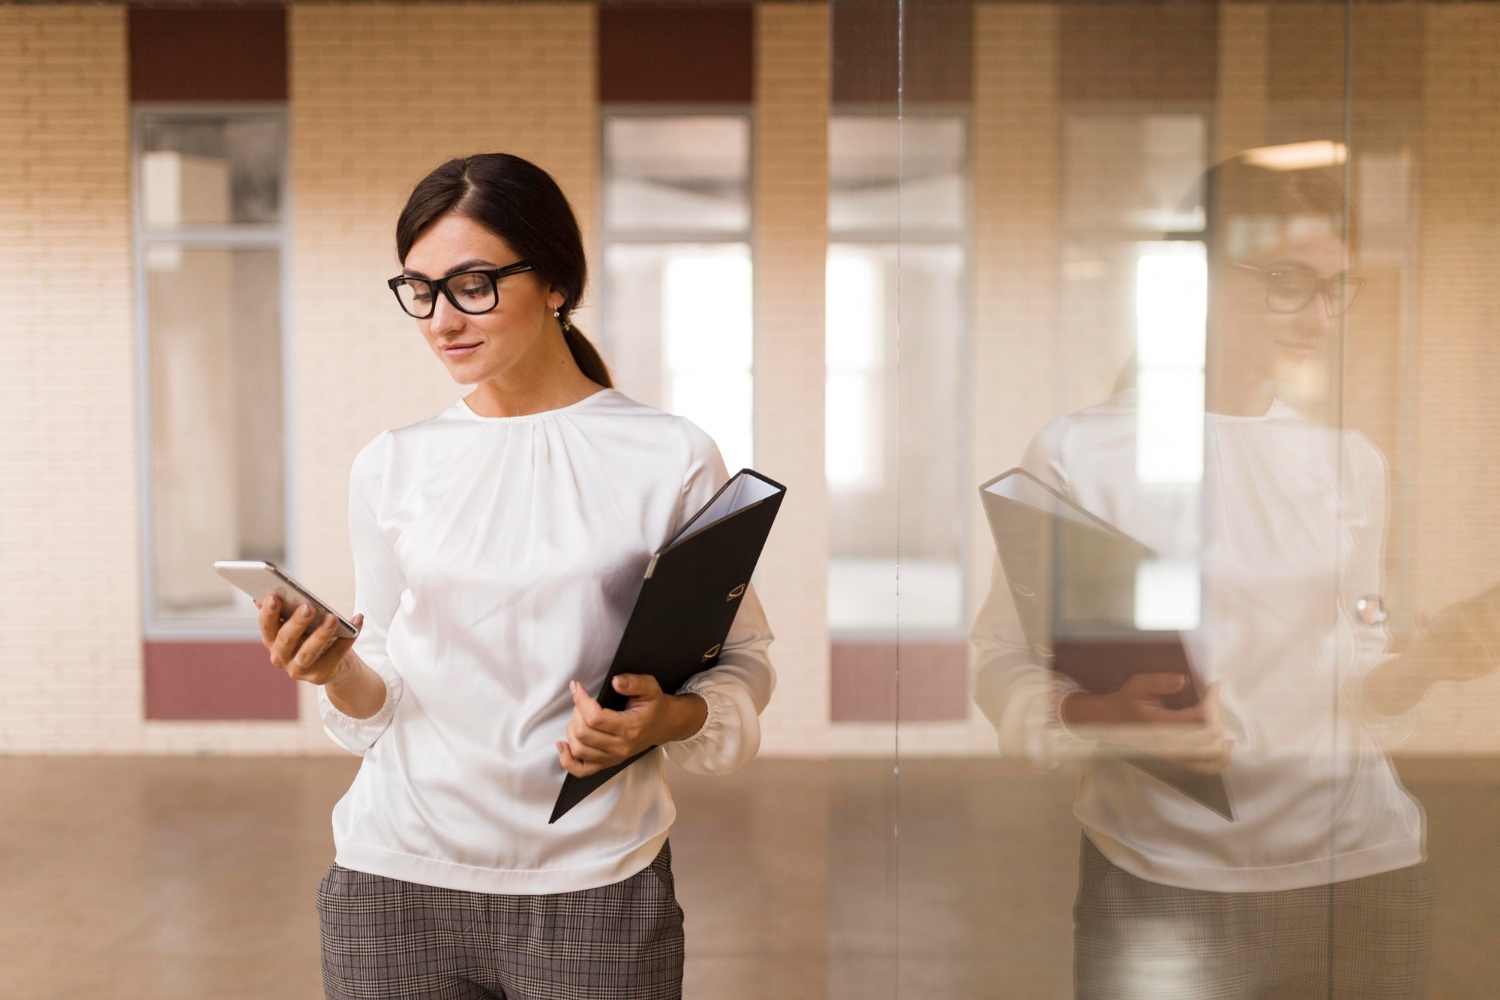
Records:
x=316, y=657
x=1136, y=717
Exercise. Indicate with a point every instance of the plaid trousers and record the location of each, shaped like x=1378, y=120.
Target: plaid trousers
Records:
x=1365, y=939
x=391, y=939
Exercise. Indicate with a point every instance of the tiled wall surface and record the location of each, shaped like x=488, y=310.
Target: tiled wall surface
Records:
x=791, y=204
x=377, y=97
x=1456, y=537
x=70, y=650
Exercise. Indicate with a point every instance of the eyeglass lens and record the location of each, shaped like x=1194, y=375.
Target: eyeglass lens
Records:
x=471, y=291
x=1291, y=291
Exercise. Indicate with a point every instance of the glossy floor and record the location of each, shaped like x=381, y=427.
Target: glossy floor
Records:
x=188, y=879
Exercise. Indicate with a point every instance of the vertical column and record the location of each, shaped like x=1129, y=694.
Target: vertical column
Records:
x=1243, y=33
x=1456, y=523
x=70, y=664
x=791, y=240
x=1016, y=242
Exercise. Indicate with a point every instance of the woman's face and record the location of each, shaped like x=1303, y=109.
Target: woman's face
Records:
x=1262, y=342
x=480, y=348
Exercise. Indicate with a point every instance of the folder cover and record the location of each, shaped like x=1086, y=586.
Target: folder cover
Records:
x=687, y=603
x=1073, y=578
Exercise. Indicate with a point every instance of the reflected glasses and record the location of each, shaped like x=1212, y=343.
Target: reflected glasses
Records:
x=1290, y=289
x=471, y=292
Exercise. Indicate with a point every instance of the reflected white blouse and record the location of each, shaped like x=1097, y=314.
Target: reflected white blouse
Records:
x=1287, y=533
x=497, y=559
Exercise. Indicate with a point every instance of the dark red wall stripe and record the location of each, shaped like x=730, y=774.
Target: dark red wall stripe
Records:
x=208, y=54
x=676, y=53
x=934, y=682
x=210, y=681
x=936, y=38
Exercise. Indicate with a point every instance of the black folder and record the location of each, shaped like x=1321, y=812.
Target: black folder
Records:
x=1072, y=577
x=687, y=603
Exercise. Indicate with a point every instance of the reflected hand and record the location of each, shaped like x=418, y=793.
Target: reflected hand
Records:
x=1137, y=718
x=599, y=737
x=1461, y=644
x=316, y=657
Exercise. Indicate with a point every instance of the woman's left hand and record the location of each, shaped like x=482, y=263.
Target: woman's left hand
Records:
x=599, y=738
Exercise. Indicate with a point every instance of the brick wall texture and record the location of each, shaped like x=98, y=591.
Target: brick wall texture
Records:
x=69, y=597
x=791, y=234
x=378, y=96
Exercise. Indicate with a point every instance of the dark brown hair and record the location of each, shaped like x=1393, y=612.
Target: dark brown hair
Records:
x=1238, y=194
x=519, y=202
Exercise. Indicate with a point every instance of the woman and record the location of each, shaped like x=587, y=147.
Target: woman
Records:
x=1318, y=887
x=498, y=550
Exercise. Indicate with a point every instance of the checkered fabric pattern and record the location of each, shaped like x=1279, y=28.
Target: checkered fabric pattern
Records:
x=1364, y=939
x=391, y=939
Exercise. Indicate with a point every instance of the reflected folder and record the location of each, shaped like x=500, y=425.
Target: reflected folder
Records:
x=693, y=588
x=1073, y=579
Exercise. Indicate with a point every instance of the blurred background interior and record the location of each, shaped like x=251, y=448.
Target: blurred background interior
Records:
x=871, y=247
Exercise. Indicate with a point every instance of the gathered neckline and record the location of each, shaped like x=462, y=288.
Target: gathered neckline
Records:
x=463, y=406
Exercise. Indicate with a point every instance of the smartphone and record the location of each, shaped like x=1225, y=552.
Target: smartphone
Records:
x=258, y=578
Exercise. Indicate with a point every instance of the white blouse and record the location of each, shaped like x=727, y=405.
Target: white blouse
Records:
x=496, y=559
x=1286, y=532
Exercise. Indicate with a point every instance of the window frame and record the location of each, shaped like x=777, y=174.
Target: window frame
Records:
x=611, y=111
x=608, y=238
x=963, y=238
x=263, y=236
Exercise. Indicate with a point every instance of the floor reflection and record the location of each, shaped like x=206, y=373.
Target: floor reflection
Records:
x=179, y=879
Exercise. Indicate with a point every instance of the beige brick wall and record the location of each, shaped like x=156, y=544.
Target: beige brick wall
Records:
x=70, y=656
x=71, y=674
x=791, y=241
x=1456, y=529
x=370, y=113
x=378, y=98
x=1243, y=29
x=1016, y=165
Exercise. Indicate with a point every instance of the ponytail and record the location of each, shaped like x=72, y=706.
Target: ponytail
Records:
x=585, y=356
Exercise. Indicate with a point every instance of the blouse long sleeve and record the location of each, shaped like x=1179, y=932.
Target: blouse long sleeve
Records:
x=378, y=586
x=738, y=687
x=1020, y=697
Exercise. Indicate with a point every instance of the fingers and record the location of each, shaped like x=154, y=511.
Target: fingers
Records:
x=1154, y=685
x=1210, y=754
x=574, y=766
x=1213, y=715
x=638, y=686
x=316, y=658
x=289, y=636
x=586, y=709
x=598, y=736
x=595, y=716
x=315, y=644
x=269, y=619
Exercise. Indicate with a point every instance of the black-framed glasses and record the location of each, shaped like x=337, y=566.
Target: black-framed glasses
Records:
x=1289, y=289
x=471, y=292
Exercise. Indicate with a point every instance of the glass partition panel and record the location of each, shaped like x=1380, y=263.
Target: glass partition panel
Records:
x=676, y=173
x=1230, y=549
x=863, y=465
x=678, y=282
x=679, y=319
x=217, y=478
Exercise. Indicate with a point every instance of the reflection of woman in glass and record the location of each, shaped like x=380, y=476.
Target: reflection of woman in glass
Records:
x=498, y=550
x=1318, y=887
